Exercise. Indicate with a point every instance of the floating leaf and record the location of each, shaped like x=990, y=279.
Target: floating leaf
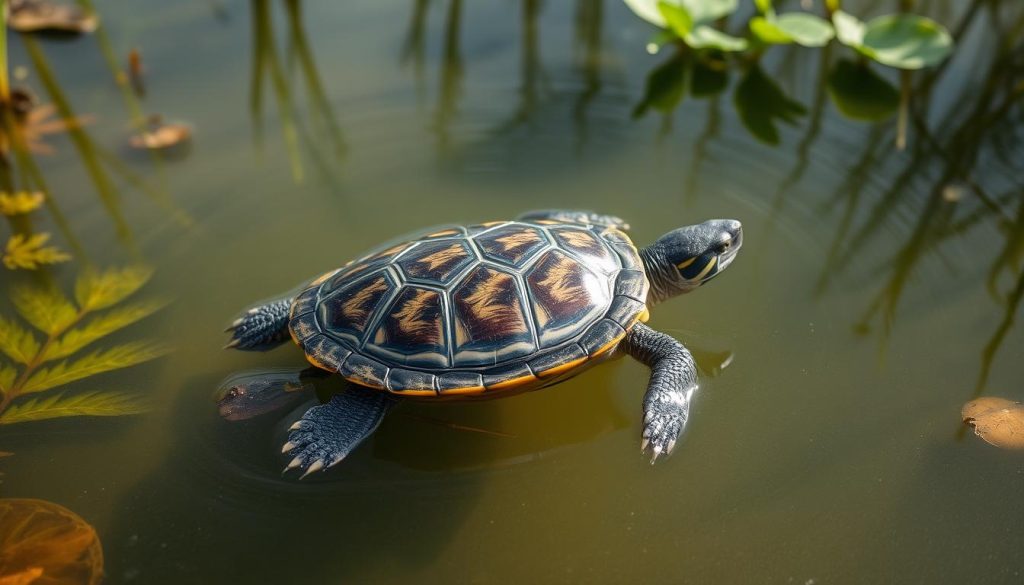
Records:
x=907, y=41
x=665, y=85
x=18, y=343
x=30, y=252
x=20, y=202
x=763, y=6
x=99, y=290
x=42, y=15
x=98, y=362
x=7, y=376
x=101, y=326
x=860, y=93
x=676, y=17
x=904, y=41
x=998, y=421
x=25, y=577
x=44, y=538
x=82, y=404
x=705, y=11
x=705, y=37
x=161, y=136
x=761, y=104
x=801, y=28
x=849, y=29
x=47, y=309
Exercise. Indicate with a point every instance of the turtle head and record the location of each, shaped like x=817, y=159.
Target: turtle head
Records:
x=685, y=258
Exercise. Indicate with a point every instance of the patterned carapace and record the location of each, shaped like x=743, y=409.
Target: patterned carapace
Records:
x=470, y=309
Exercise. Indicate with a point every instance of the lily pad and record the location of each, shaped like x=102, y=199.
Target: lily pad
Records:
x=45, y=544
x=699, y=11
x=904, y=41
x=801, y=28
x=997, y=421
x=691, y=20
x=860, y=93
x=41, y=15
x=704, y=37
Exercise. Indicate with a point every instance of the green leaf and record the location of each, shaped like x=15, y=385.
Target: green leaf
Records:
x=849, y=29
x=768, y=31
x=677, y=18
x=763, y=6
x=99, y=290
x=647, y=10
x=907, y=41
x=806, y=29
x=796, y=27
x=101, y=326
x=860, y=93
x=705, y=37
x=7, y=376
x=62, y=405
x=30, y=252
x=98, y=362
x=706, y=11
x=761, y=104
x=18, y=343
x=708, y=79
x=47, y=309
x=665, y=86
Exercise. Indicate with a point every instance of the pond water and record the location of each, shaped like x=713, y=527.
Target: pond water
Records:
x=875, y=294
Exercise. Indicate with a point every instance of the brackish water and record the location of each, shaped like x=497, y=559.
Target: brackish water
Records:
x=874, y=295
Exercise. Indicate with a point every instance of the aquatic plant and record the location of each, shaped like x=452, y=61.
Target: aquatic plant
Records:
x=46, y=543
x=904, y=41
x=30, y=252
x=68, y=327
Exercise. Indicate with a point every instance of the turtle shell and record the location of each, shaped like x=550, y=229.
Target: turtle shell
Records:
x=474, y=310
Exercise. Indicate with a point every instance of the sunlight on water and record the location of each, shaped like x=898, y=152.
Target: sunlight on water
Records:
x=875, y=294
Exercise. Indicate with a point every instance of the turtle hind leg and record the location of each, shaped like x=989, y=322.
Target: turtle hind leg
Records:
x=327, y=433
x=261, y=328
x=578, y=216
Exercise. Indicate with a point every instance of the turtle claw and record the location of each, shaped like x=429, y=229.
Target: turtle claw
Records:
x=287, y=447
x=663, y=422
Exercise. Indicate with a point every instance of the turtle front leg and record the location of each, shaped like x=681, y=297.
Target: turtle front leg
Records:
x=672, y=384
x=261, y=328
x=578, y=216
x=327, y=433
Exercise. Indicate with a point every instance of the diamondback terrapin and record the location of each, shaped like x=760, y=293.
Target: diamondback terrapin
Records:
x=487, y=311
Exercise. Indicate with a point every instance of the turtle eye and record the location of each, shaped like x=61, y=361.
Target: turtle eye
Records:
x=234, y=392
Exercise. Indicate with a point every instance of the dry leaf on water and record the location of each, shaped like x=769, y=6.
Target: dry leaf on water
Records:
x=20, y=202
x=160, y=135
x=31, y=251
x=45, y=544
x=40, y=15
x=38, y=123
x=998, y=421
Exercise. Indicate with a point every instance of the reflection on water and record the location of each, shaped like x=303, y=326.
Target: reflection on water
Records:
x=878, y=292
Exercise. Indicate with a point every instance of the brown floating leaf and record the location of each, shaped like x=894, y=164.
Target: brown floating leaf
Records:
x=160, y=135
x=998, y=421
x=46, y=544
x=39, y=15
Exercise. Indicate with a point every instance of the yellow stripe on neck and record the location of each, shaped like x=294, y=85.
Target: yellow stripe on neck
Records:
x=686, y=263
x=707, y=269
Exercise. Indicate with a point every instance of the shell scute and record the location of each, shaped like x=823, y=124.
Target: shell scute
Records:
x=490, y=321
x=490, y=308
x=567, y=297
x=413, y=330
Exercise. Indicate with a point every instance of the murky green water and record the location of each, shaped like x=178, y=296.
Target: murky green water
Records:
x=875, y=295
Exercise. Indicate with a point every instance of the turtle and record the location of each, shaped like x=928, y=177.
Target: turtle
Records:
x=485, y=311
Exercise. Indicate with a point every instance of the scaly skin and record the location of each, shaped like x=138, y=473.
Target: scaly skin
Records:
x=672, y=384
x=326, y=434
x=262, y=327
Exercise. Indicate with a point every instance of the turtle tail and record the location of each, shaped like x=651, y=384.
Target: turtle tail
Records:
x=261, y=328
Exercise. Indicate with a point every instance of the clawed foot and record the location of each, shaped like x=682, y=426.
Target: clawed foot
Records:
x=311, y=448
x=664, y=420
x=261, y=327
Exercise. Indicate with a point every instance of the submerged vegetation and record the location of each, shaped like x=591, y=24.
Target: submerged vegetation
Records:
x=47, y=544
x=40, y=364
